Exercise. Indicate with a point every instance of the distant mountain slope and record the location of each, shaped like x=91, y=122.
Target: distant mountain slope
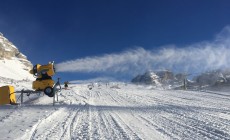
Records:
x=149, y=78
x=212, y=78
x=13, y=64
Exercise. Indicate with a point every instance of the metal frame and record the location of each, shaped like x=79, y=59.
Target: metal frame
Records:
x=28, y=92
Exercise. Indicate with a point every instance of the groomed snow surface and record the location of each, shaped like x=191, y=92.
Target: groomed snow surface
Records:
x=119, y=111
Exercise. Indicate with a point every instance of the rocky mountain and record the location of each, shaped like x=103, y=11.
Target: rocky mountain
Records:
x=213, y=78
x=177, y=81
x=165, y=79
x=8, y=51
x=13, y=64
x=149, y=78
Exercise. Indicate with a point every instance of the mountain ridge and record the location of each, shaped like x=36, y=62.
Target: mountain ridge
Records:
x=13, y=63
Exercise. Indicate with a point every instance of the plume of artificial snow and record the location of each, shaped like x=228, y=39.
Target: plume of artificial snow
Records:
x=196, y=57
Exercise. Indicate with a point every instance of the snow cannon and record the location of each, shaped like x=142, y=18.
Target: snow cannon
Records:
x=44, y=82
x=7, y=95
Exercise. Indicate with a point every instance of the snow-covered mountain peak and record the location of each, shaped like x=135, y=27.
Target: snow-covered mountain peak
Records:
x=13, y=64
x=148, y=77
x=151, y=74
x=6, y=45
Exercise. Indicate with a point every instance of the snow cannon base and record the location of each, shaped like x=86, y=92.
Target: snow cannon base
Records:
x=41, y=85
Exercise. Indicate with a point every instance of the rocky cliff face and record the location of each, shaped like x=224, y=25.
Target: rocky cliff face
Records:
x=212, y=78
x=149, y=78
x=164, y=78
x=9, y=51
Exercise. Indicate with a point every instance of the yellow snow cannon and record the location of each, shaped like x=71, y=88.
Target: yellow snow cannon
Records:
x=43, y=74
x=7, y=95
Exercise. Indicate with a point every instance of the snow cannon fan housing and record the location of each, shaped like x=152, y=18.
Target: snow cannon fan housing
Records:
x=43, y=74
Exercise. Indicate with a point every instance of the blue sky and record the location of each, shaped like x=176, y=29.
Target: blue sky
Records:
x=62, y=30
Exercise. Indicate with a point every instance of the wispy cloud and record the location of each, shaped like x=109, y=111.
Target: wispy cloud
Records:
x=197, y=57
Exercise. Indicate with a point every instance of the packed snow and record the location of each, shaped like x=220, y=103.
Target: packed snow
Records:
x=119, y=111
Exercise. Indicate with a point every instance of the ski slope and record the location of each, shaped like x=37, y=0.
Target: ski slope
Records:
x=119, y=111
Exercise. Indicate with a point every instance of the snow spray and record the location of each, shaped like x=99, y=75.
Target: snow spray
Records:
x=196, y=57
